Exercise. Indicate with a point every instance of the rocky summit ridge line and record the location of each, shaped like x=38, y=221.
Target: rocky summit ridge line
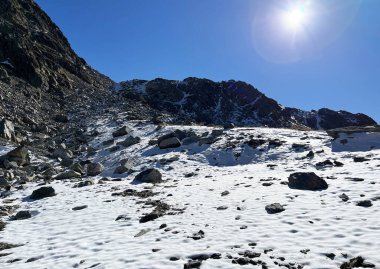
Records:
x=237, y=102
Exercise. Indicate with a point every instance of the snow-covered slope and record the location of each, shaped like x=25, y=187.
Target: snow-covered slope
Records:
x=216, y=193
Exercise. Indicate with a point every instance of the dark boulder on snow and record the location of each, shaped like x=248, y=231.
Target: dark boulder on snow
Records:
x=122, y=131
x=364, y=203
x=129, y=141
x=19, y=155
x=307, y=181
x=172, y=142
x=94, y=169
x=43, y=192
x=151, y=175
x=21, y=215
x=274, y=208
x=357, y=262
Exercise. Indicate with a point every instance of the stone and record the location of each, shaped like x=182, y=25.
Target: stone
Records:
x=43, y=192
x=94, y=169
x=7, y=130
x=126, y=166
x=84, y=184
x=193, y=264
x=21, y=215
x=19, y=155
x=151, y=175
x=344, y=197
x=198, y=235
x=172, y=142
x=129, y=141
x=357, y=262
x=62, y=152
x=364, y=203
x=67, y=162
x=229, y=125
x=306, y=181
x=77, y=167
x=360, y=159
x=81, y=207
x=69, y=174
x=122, y=131
x=274, y=208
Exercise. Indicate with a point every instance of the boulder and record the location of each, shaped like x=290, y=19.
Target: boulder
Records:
x=94, y=169
x=69, y=174
x=62, y=152
x=307, y=181
x=151, y=175
x=85, y=183
x=22, y=215
x=208, y=140
x=172, y=142
x=165, y=136
x=229, y=125
x=19, y=155
x=81, y=207
x=274, y=208
x=77, y=167
x=7, y=130
x=364, y=203
x=43, y=192
x=126, y=166
x=67, y=162
x=129, y=141
x=357, y=262
x=122, y=131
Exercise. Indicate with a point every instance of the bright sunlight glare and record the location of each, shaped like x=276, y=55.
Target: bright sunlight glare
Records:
x=295, y=18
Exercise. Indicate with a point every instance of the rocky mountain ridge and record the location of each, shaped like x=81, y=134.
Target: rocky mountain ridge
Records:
x=237, y=102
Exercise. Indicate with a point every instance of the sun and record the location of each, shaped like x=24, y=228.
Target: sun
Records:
x=295, y=18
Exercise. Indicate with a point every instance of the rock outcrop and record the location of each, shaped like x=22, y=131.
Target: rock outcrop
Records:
x=231, y=102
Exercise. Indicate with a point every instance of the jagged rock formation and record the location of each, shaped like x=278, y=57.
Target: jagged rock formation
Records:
x=33, y=48
x=203, y=100
x=42, y=80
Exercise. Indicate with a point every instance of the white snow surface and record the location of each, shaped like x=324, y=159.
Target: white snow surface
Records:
x=320, y=221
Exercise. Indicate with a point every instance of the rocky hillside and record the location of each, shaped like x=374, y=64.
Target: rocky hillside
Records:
x=202, y=100
x=43, y=82
x=34, y=49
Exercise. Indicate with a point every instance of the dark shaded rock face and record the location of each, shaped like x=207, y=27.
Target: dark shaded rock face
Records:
x=36, y=49
x=307, y=181
x=40, y=75
x=205, y=101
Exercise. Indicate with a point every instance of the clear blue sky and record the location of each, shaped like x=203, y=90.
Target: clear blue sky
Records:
x=305, y=54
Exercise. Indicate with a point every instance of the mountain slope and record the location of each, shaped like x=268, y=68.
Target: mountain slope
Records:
x=33, y=48
x=43, y=82
x=214, y=198
x=237, y=102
